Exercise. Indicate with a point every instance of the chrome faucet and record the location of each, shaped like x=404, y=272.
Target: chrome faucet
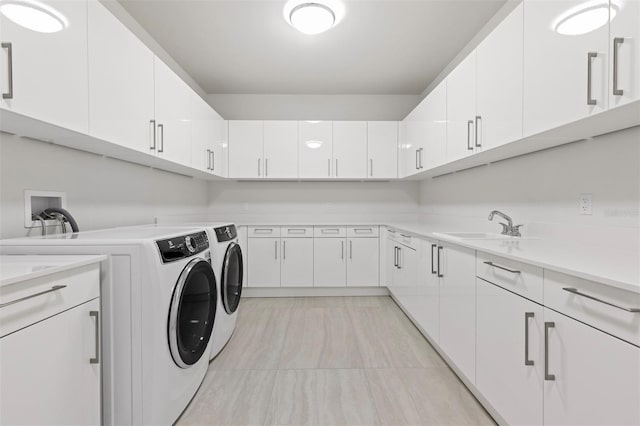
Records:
x=507, y=228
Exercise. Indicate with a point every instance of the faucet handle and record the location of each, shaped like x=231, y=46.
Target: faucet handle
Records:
x=506, y=229
x=515, y=231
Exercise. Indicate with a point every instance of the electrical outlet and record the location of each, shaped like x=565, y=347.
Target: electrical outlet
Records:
x=586, y=201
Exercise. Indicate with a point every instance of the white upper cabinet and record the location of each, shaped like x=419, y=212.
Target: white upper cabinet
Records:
x=206, y=132
x=246, y=149
x=499, y=75
x=624, y=83
x=315, y=149
x=281, y=149
x=44, y=75
x=415, y=134
x=121, y=83
x=565, y=68
x=382, y=148
x=403, y=169
x=434, y=151
x=350, y=149
x=173, y=106
x=461, y=109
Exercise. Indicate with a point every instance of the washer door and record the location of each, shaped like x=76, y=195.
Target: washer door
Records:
x=232, y=278
x=192, y=313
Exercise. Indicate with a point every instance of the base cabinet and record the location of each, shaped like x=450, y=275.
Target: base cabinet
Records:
x=297, y=262
x=264, y=262
x=362, y=262
x=330, y=263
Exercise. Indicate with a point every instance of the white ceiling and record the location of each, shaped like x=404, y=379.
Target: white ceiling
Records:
x=380, y=47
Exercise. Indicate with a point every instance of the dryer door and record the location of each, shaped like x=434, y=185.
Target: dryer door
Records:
x=192, y=313
x=232, y=278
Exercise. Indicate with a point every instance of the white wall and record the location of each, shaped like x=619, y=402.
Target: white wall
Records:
x=542, y=190
x=313, y=107
x=101, y=192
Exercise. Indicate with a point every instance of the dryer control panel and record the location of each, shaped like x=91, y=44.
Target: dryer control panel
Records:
x=177, y=248
x=226, y=233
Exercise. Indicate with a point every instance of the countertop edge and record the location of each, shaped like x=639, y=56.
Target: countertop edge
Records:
x=82, y=260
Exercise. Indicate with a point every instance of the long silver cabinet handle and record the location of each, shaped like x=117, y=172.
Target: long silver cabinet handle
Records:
x=576, y=291
x=547, y=376
x=329, y=167
x=440, y=250
x=421, y=151
x=399, y=258
x=342, y=250
x=469, y=126
x=371, y=167
x=616, y=42
x=208, y=159
x=161, y=132
x=213, y=160
x=152, y=144
x=275, y=246
x=284, y=250
x=96, y=359
x=258, y=167
x=433, y=269
x=266, y=167
x=350, y=249
x=513, y=271
x=590, y=57
x=527, y=316
x=417, y=161
x=31, y=296
x=9, y=47
x=336, y=167
x=477, y=131
x=395, y=256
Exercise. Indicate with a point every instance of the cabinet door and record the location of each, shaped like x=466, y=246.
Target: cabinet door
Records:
x=315, y=149
x=281, y=149
x=435, y=141
x=47, y=377
x=363, y=261
x=625, y=40
x=427, y=292
x=206, y=132
x=458, y=307
x=512, y=385
x=597, y=376
x=556, y=84
x=264, y=262
x=461, y=109
x=406, y=279
x=329, y=262
x=350, y=149
x=121, y=83
x=246, y=149
x=297, y=262
x=382, y=147
x=48, y=69
x=173, y=107
x=499, y=56
x=218, y=145
x=416, y=135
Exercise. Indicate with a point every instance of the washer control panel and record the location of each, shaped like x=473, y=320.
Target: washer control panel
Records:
x=177, y=248
x=226, y=233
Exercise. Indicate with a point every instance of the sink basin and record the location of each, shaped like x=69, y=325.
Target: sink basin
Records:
x=476, y=235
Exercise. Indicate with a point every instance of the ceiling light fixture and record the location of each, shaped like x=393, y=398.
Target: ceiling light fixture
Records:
x=315, y=16
x=313, y=144
x=585, y=18
x=34, y=15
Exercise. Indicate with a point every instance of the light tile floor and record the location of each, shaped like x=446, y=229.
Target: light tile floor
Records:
x=330, y=361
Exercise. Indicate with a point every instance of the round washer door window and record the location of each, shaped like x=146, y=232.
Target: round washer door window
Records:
x=192, y=313
x=232, y=278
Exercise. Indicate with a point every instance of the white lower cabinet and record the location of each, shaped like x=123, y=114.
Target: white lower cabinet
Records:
x=297, y=262
x=47, y=373
x=509, y=354
x=592, y=378
x=404, y=264
x=363, y=261
x=330, y=263
x=264, y=262
x=427, y=290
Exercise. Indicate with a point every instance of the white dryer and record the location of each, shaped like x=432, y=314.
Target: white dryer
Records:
x=159, y=302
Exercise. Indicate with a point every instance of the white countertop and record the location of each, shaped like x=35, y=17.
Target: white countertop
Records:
x=17, y=268
x=617, y=268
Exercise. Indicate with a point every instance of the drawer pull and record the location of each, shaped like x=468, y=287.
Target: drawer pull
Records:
x=31, y=296
x=330, y=231
x=576, y=291
x=296, y=231
x=263, y=231
x=513, y=271
x=363, y=230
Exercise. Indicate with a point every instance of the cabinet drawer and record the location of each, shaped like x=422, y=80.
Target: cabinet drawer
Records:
x=76, y=286
x=263, y=231
x=330, y=231
x=520, y=278
x=574, y=297
x=363, y=231
x=403, y=238
x=297, y=231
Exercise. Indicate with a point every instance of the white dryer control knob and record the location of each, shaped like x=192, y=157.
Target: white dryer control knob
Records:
x=188, y=241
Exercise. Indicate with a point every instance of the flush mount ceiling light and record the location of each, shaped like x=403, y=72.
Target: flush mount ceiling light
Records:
x=585, y=18
x=313, y=17
x=313, y=144
x=34, y=15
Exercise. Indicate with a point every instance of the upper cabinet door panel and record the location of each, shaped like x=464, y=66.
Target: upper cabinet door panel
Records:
x=246, y=149
x=435, y=144
x=625, y=39
x=499, y=59
x=382, y=147
x=49, y=70
x=461, y=109
x=557, y=58
x=281, y=149
x=350, y=149
x=121, y=88
x=315, y=149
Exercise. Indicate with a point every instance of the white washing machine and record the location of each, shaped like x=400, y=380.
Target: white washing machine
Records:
x=159, y=301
